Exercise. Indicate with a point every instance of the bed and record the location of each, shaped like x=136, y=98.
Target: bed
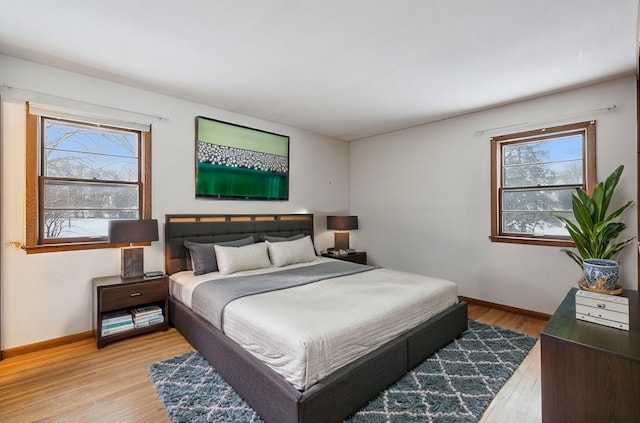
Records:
x=329, y=395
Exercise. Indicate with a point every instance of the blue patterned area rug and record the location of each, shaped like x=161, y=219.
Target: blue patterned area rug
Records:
x=456, y=384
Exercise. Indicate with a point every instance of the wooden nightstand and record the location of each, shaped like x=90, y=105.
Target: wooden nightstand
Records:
x=115, y=294
x=359, y=257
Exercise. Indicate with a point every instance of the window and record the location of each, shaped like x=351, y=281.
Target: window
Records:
x=534, y=175
x=80, y=175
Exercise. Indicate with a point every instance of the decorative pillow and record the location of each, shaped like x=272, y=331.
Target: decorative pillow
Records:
x=203, y=256
x=235, y=259
x=291, y=252
x=282, y=238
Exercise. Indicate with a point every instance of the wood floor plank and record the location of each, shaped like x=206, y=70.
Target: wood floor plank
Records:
x=520, y=399
x=79, y=383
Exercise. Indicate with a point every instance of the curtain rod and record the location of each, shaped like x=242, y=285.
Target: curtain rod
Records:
x=603, y=109
x=11, y=87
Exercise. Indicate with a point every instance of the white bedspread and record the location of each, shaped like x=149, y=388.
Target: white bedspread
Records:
x=307, y=332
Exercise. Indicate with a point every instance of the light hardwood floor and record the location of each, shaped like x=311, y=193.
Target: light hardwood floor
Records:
x=520, y=399
x=78, y=383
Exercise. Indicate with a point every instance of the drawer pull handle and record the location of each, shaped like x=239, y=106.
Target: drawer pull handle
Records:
x=135, y=294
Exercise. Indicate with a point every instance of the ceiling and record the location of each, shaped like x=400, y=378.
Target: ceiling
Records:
x=349, y=69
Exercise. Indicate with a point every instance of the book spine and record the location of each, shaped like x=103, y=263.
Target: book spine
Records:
x=116, y=325
x=106, y=332
x=146, y=310
x=110, y=320
x=149, y=313
x=146, y=313
x=147, y=316
x=148, y=322
x=157, y=317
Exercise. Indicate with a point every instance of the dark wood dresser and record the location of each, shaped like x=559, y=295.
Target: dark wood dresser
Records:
x=590, y=372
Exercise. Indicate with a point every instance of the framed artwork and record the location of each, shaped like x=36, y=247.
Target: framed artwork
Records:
x=241, y=163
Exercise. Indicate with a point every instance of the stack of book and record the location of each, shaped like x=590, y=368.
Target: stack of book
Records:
x=147, y=315
x=116, y=322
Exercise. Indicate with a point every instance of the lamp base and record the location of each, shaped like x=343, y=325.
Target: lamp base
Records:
x=341, y=240
x=132, y=262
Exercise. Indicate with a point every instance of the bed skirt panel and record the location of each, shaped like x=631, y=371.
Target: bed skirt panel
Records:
x=429, y=337
x=333, y=398
x=337, y=396
x=254, y=381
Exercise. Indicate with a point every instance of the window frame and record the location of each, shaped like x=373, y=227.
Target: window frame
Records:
x=34, y=229
x=587, y=129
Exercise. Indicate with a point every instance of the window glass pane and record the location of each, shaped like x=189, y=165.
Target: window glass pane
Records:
x=528, y=212
x=537, y=200
x=556, y=161
x=89, y=139
x=74, y=209
x=532, y=223
x=565, y=148
x=558, y=173
x=73, y=164
x=105, y=198
x=80, y=223
x=83, y=151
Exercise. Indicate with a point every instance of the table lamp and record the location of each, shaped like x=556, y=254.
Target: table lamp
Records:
x=132, y=231
x=342, y=224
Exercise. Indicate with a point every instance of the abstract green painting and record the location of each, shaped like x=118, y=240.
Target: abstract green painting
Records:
x=237, y=162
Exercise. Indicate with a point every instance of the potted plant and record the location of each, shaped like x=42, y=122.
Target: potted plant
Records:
x=595, y=232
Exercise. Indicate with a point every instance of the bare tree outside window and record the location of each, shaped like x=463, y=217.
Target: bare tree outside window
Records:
x=535, y=174
x=90, y=175
x=79, y=175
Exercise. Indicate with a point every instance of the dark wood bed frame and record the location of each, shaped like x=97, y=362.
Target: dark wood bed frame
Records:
x=336, y=396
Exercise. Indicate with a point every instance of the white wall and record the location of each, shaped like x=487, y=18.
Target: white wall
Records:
x=421, y=194
x=423, y=197
x=47, y=296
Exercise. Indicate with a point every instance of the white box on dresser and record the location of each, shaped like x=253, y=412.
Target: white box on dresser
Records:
x=608, y=310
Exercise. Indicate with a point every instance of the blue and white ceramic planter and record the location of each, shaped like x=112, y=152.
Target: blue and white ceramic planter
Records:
x=601, y=273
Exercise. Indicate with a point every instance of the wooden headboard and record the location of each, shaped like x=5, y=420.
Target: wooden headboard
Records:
x=225, y=227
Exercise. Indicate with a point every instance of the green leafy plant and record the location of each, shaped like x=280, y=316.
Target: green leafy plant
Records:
x=594, y=231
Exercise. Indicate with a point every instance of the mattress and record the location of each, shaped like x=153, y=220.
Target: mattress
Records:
x=307, y=332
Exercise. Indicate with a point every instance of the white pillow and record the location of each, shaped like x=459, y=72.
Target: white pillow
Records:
x=291, y=252
x=235, y=259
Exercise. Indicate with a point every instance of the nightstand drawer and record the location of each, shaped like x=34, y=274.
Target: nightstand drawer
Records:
x=129, y=295
x=359, y=257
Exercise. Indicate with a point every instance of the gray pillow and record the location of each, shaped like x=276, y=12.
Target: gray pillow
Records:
x=282, y=238
x=203, y=256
